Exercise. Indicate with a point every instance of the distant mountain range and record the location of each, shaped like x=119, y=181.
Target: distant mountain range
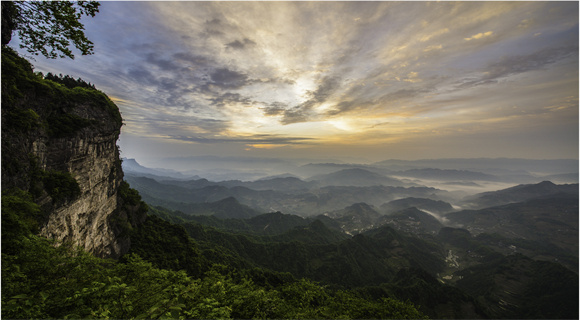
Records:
x=446, y=175
x=289, y=195
x=518, y=193
x=355, y=177
x=432, y=257
x=497, y=254
x=132, y=166
x=556, y=166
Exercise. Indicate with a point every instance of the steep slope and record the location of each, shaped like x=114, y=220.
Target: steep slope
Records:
x=231, y=208
x=518, y=193
x=552, y=220
x=59, y=144
x=515, y=286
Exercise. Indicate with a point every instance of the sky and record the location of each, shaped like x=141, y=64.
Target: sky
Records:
x=364, y=81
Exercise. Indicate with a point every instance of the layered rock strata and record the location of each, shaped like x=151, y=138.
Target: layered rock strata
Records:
x=51, y=133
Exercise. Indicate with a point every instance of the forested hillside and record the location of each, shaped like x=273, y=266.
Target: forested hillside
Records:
x=167, y=274
x=184, y=280
x=450, y=275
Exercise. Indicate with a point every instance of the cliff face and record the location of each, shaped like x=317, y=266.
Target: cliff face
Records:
x=59, y=144
x=92, y=158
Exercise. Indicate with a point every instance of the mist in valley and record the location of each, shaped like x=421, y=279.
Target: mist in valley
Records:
x=449, y=180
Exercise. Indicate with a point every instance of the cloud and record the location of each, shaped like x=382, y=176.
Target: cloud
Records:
x=239, y=45
x=274, y=109
x=479, y=36
x=196, y=60
x=253, y=140
x=245, y=71
x=437, y=33
x=228, y=79
x=433, y=47
x=513, y=65
x=230, y=98
x=302, y=112
x=163, y=64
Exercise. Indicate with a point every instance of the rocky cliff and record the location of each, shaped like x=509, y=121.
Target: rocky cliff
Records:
x=59, y=144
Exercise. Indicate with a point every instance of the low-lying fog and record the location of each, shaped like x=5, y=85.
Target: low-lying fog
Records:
x=460, y=177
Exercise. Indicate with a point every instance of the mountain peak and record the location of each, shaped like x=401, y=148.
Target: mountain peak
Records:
x=228, y=201
x=546, y=183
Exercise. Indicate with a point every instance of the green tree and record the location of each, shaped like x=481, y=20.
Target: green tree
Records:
x=48, y=27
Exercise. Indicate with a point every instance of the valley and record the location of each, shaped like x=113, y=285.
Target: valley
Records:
x=359, y=226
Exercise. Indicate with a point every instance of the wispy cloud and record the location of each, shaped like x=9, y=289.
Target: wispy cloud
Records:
x=303, y=73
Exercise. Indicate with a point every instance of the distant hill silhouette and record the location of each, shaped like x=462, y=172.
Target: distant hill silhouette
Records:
x=447, y=175
x=355, y=177
x=518, y=193
x=552, y=219
x=131, y=166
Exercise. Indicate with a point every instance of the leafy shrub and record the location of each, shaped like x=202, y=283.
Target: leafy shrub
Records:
x=129, y=195
x=68, y=81
x=19, y=218
x=23, y=119
x=19, y=81
x=65, y=125
x=61, y=186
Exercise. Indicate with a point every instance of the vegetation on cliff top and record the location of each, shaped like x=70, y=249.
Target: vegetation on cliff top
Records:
x=22, y=88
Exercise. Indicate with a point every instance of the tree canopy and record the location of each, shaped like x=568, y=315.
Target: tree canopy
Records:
x=49, y=28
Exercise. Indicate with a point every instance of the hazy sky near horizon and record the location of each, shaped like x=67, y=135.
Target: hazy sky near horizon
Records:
x=370, y=80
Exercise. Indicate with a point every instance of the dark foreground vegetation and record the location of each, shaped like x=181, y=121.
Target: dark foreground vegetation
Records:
x=40, y=280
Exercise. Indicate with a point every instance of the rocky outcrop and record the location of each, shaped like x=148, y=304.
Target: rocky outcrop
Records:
x=59, y=143
x=92, y=159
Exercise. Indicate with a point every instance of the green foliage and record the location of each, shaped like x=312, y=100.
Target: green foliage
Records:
x=51, y=27
x=19, y=218
x=518, y=287
x=66, y=125
x=166, y=245
x=23, y=120
x=17, y=76
x=68, y=81
x=552, y=293
x=20, y=84
x=361, y=260
x=61, y=186
x=43, y=281
x=130, y=196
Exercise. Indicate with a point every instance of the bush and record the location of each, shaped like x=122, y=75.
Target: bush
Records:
x=65, y=125
x=23, y=119
x=130, y=196
x=61, y=186
x=19, y=218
